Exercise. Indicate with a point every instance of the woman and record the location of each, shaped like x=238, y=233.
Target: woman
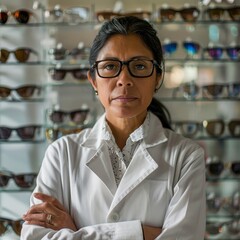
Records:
x=130, y=176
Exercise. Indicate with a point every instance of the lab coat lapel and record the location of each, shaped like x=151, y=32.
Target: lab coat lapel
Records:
x=101, y=165
x=141, y=166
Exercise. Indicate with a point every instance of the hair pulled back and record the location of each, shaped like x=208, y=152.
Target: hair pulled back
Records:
x=133, y=25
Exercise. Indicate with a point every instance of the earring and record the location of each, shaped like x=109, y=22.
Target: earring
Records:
x=96, y=92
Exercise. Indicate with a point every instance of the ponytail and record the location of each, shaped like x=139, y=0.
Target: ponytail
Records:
x=157, y=108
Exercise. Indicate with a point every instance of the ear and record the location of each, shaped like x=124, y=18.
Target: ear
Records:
x=159, y=80
x=92, y=81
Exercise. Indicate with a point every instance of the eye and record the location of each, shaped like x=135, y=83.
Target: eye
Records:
x=139, y=65
x=108, y=65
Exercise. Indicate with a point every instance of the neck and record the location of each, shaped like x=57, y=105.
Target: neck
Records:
x=122, y=128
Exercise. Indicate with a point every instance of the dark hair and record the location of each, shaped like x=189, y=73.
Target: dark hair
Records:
x=133, y=25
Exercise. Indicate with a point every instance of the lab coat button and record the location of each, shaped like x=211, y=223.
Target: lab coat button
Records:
x=115, y=217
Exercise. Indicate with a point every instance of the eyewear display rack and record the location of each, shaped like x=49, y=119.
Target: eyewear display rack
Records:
x=195, y=105
x=202, y=91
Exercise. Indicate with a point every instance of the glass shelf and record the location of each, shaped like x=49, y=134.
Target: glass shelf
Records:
x=174, y=99
x=222, y=179
x=199, y=22
x=94, y=23
x=22, y=141
x=22, y=100
x=15, y=190
x=80, y=83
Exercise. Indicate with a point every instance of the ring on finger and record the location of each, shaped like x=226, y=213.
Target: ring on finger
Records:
x=49, y=219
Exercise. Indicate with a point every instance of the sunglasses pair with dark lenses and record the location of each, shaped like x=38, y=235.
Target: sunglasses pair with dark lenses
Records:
x=25, y=133
x=21, y=54
x=77, y=116
x=6, y=223
x=190, y=91
x=77, y=73
x=53, y=134
x=217, y=168
x=231, y=227
x=191, y=48
x=216, y=53
x=24, y=180
x=216, y=14
x=21, y=16
x=25, y=91
x=190, y=14
x=214, y=128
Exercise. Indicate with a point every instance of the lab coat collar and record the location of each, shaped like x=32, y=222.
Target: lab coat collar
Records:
x=98, y=135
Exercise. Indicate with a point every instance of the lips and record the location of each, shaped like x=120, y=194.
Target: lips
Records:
x=125, y=99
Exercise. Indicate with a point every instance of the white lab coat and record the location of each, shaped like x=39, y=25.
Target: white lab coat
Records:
x=164, y=186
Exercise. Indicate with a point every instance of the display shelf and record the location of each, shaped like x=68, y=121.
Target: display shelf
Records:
x=15, y=190
x=179, y=99
x=22, y=100
x=222, y=179
x=22, y=141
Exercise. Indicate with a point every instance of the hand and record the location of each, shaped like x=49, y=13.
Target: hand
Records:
x=150, y=233
x=50, y=214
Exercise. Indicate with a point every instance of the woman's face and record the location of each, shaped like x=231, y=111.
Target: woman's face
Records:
x=125, y=96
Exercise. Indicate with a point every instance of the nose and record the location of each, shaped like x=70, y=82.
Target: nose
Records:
x=124, y=78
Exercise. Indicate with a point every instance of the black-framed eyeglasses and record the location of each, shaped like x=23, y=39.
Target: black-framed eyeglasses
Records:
x=139, y=68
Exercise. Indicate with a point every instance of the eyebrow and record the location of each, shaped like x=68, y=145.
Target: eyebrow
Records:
x=132, y=58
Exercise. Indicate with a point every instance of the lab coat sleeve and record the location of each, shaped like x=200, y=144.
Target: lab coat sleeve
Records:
x=186, y=215
x=50, y=181
x=106, y=231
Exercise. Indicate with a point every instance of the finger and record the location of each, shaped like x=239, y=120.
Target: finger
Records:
x=38, y=217
x=50, y=199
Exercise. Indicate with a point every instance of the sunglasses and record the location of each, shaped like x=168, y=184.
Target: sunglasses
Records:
x=16, y=225
x=191, y=48
x=25, y=132
x=191, y=90
x=77, y=14
x=53, y=134
x=190, y=14
x=216, y=14
x=216, y=90
x=21, y=54
x=24, y=180
x=214, y=128
x=214, y=202
x=232, y=227
x=217, y=168
x=77, y=73
x=21, y=16
x=62, y=53
x=77, y=116
x=25, y=91
x=216, y=53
